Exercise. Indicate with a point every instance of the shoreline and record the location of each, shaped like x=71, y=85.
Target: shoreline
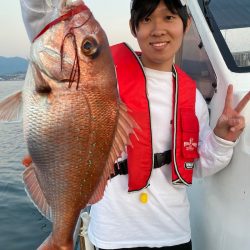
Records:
x=13, y=77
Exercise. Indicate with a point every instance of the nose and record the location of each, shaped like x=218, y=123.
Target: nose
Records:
x=158, y=29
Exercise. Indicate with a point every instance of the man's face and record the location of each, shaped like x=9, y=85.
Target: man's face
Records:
x=160, y=36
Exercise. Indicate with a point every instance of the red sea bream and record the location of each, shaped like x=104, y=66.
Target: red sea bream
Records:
x=74, y=124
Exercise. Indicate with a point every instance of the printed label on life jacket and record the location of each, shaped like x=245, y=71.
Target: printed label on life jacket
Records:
x=190, y=133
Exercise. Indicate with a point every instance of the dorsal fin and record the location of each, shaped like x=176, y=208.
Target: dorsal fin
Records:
x=125, y=126
x=11, y=107
x=35, y=193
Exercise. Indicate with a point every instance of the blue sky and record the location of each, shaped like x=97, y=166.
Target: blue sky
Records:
x=112, y=14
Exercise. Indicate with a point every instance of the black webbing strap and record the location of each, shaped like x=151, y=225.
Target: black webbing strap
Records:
x=160, y=159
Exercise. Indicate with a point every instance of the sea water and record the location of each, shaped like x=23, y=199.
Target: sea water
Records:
x=22, y=227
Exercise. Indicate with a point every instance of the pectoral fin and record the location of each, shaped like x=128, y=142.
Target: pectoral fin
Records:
x=11, y=107
x=35, y=193
x=125, y=127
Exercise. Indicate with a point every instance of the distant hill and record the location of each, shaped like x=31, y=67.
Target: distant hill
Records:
x=12, y=65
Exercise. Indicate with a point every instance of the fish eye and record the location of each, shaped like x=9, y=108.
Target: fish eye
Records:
x=89, y=47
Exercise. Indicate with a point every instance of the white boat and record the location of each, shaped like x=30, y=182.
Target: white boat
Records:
x=216, y=52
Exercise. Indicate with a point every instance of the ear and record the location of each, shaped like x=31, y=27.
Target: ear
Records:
x=189, y=22
x=131, y=30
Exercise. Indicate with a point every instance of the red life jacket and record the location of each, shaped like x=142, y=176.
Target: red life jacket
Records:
x=185, y=126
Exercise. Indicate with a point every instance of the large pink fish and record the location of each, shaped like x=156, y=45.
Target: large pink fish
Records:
x=74, y=123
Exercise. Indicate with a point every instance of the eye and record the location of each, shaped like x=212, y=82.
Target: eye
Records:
x=170, y=18
x=146, y=20
x=90, y=47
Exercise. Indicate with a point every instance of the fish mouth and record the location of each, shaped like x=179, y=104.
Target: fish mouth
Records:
x=57, y=55
x=52, y=56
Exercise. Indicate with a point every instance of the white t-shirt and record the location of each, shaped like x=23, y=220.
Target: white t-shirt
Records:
x=120, y=220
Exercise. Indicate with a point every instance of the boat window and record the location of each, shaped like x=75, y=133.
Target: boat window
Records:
x=230, y=18
x=233, y=19
x=236, y=42
x=193, y=59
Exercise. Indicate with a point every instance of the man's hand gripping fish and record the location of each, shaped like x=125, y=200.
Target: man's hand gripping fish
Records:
x=74, y=124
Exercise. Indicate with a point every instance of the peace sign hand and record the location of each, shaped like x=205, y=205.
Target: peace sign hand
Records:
x=231, y=124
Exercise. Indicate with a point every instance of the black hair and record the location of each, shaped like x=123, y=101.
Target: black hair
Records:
x=141, y=9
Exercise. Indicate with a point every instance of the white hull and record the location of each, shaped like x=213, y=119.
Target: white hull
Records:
x=220, y=204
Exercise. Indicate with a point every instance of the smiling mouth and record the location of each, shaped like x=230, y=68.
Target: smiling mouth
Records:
x=159, y=44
